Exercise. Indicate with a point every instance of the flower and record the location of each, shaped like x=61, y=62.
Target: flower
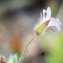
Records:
x=46, y=22
x=12, y=59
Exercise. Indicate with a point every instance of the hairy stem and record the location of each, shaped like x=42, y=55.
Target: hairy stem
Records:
x=23, y=54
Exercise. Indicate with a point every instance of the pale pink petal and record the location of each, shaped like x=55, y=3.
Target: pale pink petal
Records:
x=55, y=22
x=58, y=21
x=42, y=17
x=48, y=14
x=44, y=11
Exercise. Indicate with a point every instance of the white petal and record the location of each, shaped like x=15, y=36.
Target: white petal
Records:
x=48, y=14
x=44, y=11
x=56, y=23
x=42, y=17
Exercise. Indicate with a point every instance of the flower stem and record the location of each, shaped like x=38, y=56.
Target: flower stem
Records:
x=23, y=54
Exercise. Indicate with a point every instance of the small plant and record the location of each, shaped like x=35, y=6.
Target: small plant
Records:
x=45, y=22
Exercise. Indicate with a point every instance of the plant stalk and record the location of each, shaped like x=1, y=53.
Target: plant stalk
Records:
x=23, y=54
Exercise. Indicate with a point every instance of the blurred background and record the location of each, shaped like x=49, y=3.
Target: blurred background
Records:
x=17, y=19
